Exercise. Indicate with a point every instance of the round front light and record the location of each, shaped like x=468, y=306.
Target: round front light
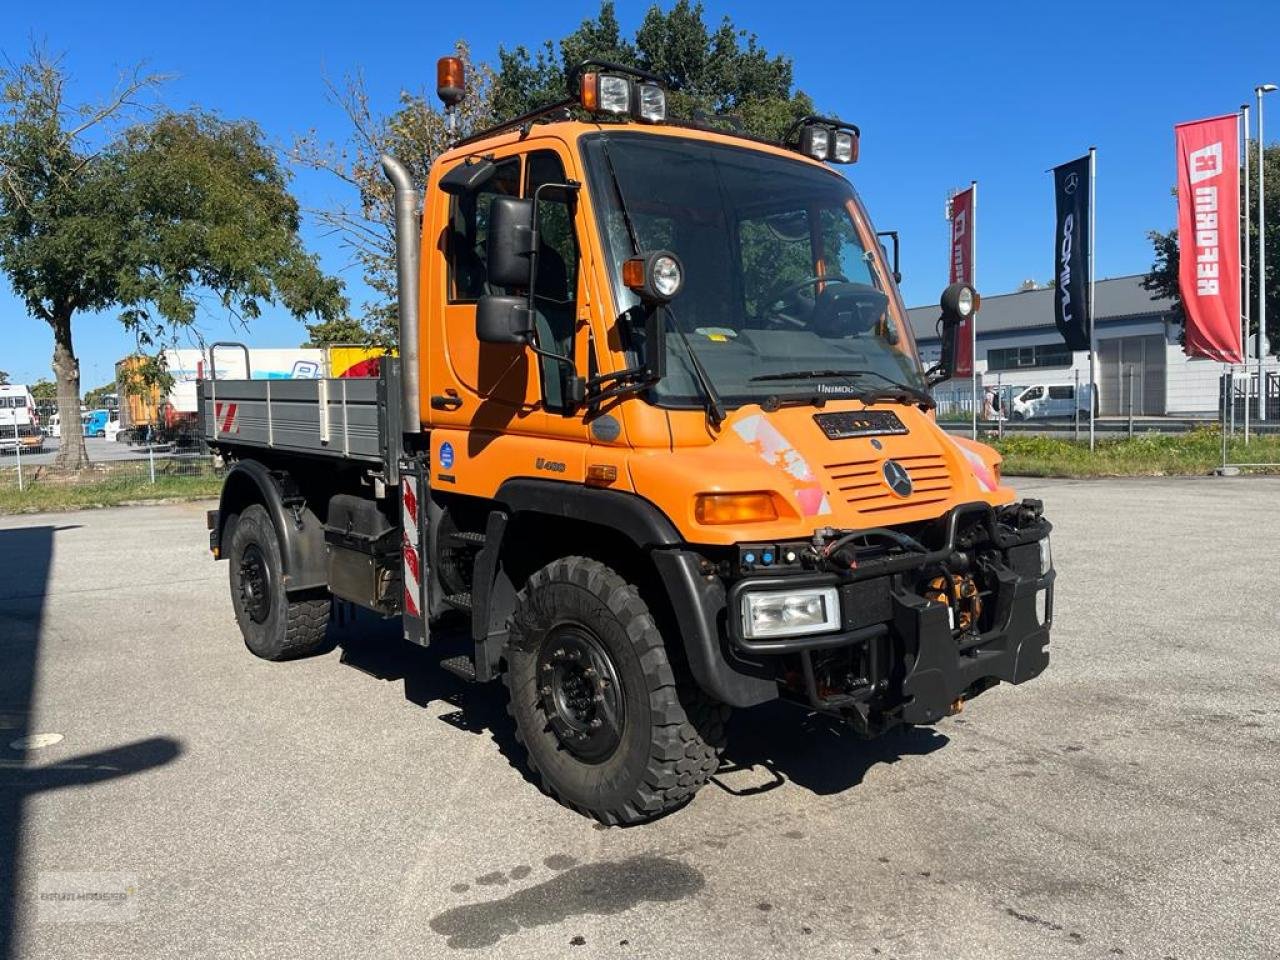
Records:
x=964, y=303
x=666, y=276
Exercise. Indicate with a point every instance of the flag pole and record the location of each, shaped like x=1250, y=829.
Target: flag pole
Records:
x=1244, y=290
x=1093, y=340
x=973, y=282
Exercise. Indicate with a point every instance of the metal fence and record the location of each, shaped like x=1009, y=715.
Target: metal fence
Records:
x=1130, y=398
x=127, y=466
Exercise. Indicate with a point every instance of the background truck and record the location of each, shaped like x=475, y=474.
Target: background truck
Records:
x=659, y=433
x=19, y=422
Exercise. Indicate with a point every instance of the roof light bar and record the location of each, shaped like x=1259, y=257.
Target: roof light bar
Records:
x=824, y=138
x=620, y=91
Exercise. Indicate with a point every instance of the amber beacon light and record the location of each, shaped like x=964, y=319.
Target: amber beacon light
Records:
x=451, y=80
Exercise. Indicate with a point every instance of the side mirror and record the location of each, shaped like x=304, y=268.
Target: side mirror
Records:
x=897, y=251
x=503, y=319
x=510, y=242
x=959, y=302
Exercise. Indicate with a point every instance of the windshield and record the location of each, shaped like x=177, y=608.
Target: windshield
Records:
x=782, y=297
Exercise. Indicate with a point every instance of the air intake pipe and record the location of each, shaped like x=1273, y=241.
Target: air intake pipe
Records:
x=407, y=259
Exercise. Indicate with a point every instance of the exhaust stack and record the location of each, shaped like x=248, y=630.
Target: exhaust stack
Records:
x=407, y=259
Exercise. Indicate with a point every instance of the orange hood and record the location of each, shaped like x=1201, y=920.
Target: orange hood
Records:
x=818, y=481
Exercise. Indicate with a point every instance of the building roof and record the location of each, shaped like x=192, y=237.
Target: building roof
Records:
x=1119, y=298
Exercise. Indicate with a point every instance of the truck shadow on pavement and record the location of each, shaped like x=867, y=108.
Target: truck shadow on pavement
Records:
x=26, y=559
x=768, y=745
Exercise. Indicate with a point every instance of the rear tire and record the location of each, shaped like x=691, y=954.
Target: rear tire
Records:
x=613, y=728
x=274, y=625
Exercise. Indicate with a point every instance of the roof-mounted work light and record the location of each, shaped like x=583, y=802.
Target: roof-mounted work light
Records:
x=824, y=138
x=620, y=91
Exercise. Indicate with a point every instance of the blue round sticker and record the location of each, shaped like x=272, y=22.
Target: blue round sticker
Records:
x=446, y=455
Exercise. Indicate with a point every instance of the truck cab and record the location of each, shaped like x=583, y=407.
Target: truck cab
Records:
x=662, y=433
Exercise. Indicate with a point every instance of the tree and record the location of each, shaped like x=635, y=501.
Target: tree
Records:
x=159, y=218
x=4, y=378
x=415, y=134
x=720, y=72
x=1162, y=279
x=44, y=392
x=96, y=397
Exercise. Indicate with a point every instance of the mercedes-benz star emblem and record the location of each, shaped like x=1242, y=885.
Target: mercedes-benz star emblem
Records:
x=896, y=476
x=1070, y=182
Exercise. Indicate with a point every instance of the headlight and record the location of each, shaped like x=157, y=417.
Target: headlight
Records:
x=1046, y=557
x=779, y=613
x=816, y=141
x=652, y=105
x=615, y=94
x=964, y=302
x=666, y=275
x=843, y=149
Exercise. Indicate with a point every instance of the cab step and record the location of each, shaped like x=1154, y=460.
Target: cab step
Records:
x=466, y=536
x=461, y=601
x=461, y=667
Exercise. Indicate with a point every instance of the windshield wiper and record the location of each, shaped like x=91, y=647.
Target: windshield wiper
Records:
x=893, y=390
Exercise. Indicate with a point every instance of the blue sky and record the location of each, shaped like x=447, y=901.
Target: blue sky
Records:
x=944, y=93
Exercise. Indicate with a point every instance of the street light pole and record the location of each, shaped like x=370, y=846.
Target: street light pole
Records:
x=1262, y=257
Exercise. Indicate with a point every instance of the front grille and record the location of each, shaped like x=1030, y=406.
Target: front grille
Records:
x=861, y=483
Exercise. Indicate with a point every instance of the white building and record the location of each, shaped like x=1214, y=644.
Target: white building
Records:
x=1139, y=353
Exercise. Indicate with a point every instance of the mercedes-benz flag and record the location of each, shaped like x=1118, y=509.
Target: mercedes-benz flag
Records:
x=1071, y=308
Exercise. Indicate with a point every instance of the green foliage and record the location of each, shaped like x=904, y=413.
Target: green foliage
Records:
x=349, y=329
x=44, y=392
x=1196, y=452
x=4, y=377
x=415, y=134
x=157, y=218
x=1162, y=279
x=96, y=397
x=714, y=72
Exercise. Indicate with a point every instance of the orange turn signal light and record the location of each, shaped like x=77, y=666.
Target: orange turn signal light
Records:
x=633, y=273
x=589, y=94
x=715, y=508
x=601, y=473
x=450, y=80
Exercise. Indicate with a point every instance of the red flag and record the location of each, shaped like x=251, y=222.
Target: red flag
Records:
x=962, y=236
x=1209, y=236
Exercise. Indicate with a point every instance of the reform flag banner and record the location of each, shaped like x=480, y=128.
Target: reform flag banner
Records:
x=962, y=236
x=1209, y=236
x=1071, y=185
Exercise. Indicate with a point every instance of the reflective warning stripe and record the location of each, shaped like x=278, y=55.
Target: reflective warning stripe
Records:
x=224, y=415
x=410, y=547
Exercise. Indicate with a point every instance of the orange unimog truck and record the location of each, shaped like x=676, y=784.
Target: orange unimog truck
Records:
x=659, y=431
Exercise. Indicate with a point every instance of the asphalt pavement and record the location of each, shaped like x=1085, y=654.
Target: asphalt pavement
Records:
x=177, y=797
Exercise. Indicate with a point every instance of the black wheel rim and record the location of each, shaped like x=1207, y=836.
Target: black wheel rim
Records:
x=255, y=584
x=579, y=692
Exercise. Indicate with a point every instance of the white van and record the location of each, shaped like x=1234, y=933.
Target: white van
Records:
x=1045, y=400
x=19, y=422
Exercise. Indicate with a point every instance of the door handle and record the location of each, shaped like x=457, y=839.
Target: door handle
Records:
x=448, y=401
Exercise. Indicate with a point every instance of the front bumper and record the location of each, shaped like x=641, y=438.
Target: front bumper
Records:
x=906, y=663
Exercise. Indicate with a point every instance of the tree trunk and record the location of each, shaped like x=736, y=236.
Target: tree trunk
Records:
x=66, y=371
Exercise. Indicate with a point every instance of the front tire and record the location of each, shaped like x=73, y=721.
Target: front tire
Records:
x=274, y=626
x=613, y=728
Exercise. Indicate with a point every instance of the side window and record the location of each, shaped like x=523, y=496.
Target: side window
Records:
x=556, y=285
x=1060, y=393
x=469, y=232
x=558, y=257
